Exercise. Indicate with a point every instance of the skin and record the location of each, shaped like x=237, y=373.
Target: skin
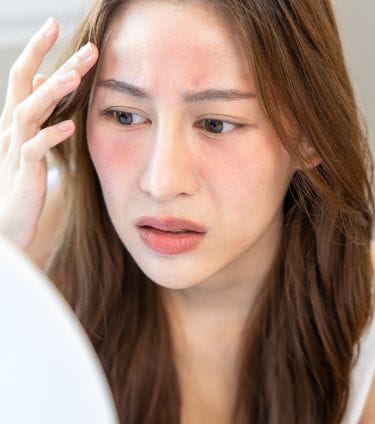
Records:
x=167, y=164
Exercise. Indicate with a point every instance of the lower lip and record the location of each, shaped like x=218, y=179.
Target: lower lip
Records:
x=165, y=242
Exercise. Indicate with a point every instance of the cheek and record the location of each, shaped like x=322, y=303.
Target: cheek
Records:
x=111, y=160
x=251, y=179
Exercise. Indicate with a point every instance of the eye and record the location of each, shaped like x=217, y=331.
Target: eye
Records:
x=217, y=126
x=125, y=118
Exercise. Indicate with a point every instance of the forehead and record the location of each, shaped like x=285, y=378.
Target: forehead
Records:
x=160, y=44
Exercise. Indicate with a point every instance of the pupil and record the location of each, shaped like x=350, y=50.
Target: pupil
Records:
x=214, y=125
x=124, y=118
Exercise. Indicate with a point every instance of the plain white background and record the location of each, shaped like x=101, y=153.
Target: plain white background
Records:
x=19, y=19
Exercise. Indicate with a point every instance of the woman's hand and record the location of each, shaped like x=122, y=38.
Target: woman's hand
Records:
x=29, y=102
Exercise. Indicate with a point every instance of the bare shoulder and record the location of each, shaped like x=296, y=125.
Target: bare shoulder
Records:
x=368, y=416
x=48, y=226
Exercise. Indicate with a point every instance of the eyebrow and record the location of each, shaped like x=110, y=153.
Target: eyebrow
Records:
x=210, y=94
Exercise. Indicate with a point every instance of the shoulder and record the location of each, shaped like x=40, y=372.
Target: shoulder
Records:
x=43, y=243
x=368, y=416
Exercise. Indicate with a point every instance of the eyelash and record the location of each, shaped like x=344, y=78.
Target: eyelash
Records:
x=114, y=114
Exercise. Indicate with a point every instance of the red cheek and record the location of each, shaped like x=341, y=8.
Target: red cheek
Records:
x=110, y=154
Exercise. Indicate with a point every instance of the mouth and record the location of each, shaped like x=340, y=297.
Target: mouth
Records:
x=168, y=231
x=169, y=242
x=170, y=224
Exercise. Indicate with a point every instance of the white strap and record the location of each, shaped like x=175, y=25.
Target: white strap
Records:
x=362, y=377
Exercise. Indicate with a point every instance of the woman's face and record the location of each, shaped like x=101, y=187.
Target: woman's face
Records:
x=190, y=141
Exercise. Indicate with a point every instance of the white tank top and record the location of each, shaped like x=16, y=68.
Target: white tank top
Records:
x=362, y=377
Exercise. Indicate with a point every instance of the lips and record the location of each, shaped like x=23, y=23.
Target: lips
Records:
x=170, y=224
x=166, y=240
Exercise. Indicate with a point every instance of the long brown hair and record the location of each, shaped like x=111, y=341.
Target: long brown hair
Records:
x=300, y=343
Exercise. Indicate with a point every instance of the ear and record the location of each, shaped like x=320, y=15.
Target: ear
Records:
x=310, y=157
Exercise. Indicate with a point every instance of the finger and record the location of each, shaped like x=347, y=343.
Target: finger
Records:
x=38, y=80
x=29, y=115
x=25, y=67
x=34, y=151
x=82, y=61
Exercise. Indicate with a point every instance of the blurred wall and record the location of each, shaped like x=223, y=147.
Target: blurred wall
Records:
x=19, y=19
x=356, y=20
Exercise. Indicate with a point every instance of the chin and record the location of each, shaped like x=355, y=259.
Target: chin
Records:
x=167, y=278
x=170, y=283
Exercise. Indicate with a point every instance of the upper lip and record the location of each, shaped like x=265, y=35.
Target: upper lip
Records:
x=170, y=223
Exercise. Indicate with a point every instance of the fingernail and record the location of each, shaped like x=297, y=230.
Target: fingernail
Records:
x=85, y=51
x=46, y=28
x=65, y=126
x=68, y=77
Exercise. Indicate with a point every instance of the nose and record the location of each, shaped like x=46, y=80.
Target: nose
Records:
x=169, y=171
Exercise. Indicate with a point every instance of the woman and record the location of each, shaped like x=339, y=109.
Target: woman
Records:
x=236, y=122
